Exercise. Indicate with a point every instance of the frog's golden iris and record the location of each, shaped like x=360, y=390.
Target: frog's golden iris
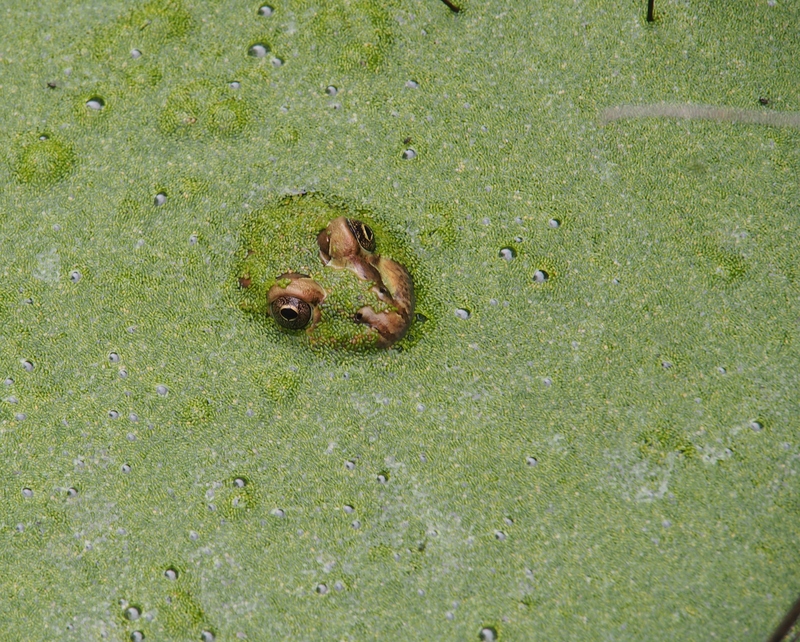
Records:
x=296, y=300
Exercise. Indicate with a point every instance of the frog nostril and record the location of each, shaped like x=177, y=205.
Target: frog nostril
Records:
x=359, y=317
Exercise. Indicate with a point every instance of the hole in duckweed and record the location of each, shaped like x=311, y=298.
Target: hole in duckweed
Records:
x=540, y=276
x=137, y=636
x=135, y=53
x=409, y=154
x=331, y=90
x=258, y=50
x=321, y=589
x=27, y=492
x=171, y=574
x=488, y=634
x=133, y=613
x=462, y=313
x=27, y=365
x=96, y=103
x=265, y=10
x=507, y=253
x=160, y=199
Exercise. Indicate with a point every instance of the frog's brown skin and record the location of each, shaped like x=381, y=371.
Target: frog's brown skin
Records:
x=350, y=244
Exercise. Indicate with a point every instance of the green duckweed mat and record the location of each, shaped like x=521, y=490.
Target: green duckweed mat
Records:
x=606, y=448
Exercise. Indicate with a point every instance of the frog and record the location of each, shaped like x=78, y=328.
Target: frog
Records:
x=336, y=289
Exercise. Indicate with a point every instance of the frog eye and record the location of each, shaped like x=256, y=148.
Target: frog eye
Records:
x=363, y=233
x=290, y=312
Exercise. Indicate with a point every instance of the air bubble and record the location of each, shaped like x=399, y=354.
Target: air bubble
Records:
x=9, y=381
x=27, y=492
x=338, y=586
x=193, y=536
x=507, y=253
x=113, y=357
x=531, y=461
x=756, y=426
x=265, y=10
x=500, y=536
x=27, y=365
x=171, y=574
x=126, y=468
x=123, y=373
x=12, y=399
x=547, y=381
x=278, y=512
x=348, y=509
x=666, y=365
x=508, y=521
x=331, y=90
x=321, y=589
x=133, y=417
x=488, y=634
x=137, y=636
x=235, y=85
x=350, y=465
x=20, y=416
x=409, y=154
x=462, y=313
x=412, y=84
x=193, y=239
x=721, y=370
x=207, y=636
x=160, y=199
x=133, y=613
x=72, y=492
x=356, y=524
x=382, y=479
x=277, y=62
x=554, y=223
x=135, y=53
x=239, y=482
x=74, y=276
x=258, y=50
x=162, y=390
x=96, y=103
x=130, y=437
x=540, y=276
x=113, y=414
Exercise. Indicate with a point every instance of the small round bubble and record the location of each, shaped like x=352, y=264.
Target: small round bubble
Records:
x=27, y=492
x=126, y=468
x=20, y=416
x=72, y=492
x=135, y=53
x=507, y=253
x=756, y=426
x=277, y=62
x=171, y=574
x=348, y=509
x=113, y=357
x=322, y=589
x=409, y=154
x=500, y=536
x=95, y=103
x=137, y=636
x=331, y=90
x=356, y=524
x=265, y=10
x=74, y=276
x=160, y=199
x=235, y=85
x=540, y=276
x=554, y=223
x=239, y=482
x=132, y=613
x=207, y=636
x=9, y=381
x=488, y=634
x=27, y=365
x=113, y=414
x=531, y=461
x=258, y=50
x=412, y=84
x=162, y=390
x=279, y=512
x=350, y=465
x=462, y=313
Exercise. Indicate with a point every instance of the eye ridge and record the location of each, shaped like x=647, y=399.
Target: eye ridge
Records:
x=363, y=233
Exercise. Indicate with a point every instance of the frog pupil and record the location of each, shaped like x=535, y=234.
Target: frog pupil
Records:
x=290, y=314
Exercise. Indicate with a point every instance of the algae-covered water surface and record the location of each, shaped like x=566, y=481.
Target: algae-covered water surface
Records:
x=592, y=428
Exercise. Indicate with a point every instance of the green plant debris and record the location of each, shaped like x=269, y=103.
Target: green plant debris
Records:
x=592, y=430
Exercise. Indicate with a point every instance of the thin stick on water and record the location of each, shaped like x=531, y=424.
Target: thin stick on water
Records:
x=650, y=9
x=786, y=624
x=701, y=112
x=452, y=6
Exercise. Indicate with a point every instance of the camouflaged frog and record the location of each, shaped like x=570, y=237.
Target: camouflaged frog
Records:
x=341, y=292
